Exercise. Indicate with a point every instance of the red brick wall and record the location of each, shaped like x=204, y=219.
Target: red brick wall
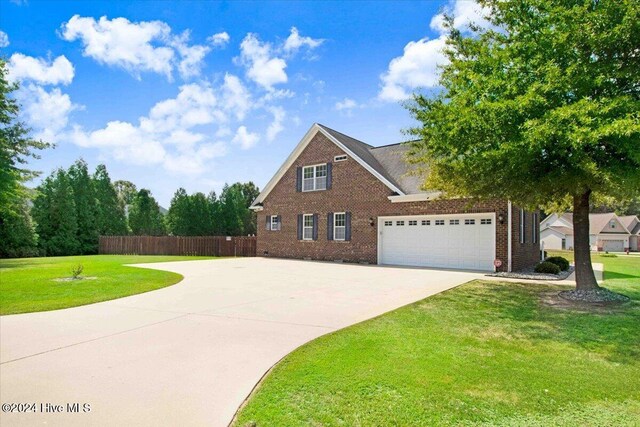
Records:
x=355, y=190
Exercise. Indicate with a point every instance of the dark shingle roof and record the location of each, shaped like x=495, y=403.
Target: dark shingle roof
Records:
x=389, y=161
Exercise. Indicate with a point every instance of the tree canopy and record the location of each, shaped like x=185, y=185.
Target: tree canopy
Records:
x=145, y=218
x=543, y=107
x=17, y=232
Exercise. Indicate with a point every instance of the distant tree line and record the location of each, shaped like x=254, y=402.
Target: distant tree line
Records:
x=71, y=208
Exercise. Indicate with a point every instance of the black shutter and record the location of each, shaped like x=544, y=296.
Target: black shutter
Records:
x=329, y=175
x=268, y=224
x=330, y=226
x=298, y=178
x=299, y=226
x=347, y=226
x=315, y=227
x=279, y=222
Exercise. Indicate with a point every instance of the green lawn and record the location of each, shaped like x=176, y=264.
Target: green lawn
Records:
x=486, y=353
x=28, y=284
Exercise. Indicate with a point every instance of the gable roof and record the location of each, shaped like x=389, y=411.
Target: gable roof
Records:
x=628, y=221
x=363, y=150
x=597, y=222
x=358, y=150
x=562, y=229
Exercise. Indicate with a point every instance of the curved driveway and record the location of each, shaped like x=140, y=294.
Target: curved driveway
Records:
x=189, y=354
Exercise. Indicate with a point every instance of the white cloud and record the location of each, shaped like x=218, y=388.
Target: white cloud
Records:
x=191, y=57
x=169, y=135
x=346, y=104
x=146, y=46
x=262, y=66
x=276, y=125
x=464, y=13
x=236, y=97
x=22, y=68
x=294, y=42
x=219, y=39
x=119, y=42
x=195, y=161
x=4, y=39
x=245, y=138
x=46, y=112
x=418, y=67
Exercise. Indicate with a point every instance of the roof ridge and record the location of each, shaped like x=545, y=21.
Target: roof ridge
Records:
x=344, y=134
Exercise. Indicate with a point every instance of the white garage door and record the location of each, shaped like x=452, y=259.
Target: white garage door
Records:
x=446, y=241
x=613, y=245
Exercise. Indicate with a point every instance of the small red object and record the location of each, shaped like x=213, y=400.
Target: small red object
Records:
x=497, y=263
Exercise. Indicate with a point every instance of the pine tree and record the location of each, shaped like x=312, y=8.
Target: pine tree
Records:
x=178, y=214
x=200, y=215
x=215, y=228
x=18, y=236
x=86, y=209
x=232, y=210
x=55, y=213
x=145, y=218
x=110, y=217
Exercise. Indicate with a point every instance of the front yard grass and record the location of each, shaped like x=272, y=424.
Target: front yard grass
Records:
x=485, y=353
x=28, y=284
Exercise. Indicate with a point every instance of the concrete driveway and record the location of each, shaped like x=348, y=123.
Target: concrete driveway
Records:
x=190, y=354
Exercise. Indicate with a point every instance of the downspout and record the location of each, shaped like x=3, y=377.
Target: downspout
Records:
x=509, y=227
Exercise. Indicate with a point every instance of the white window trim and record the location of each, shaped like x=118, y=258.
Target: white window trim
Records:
x=335, y=227
x=340, y=158
x=522, y=225
x=315, y=171
x=304, y=216
x=277, y=223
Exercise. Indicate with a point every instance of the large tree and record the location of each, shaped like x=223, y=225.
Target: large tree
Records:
x=542, y=107
x=145, y=218
x=86, y=209
x=178, y=215
x=17, y=233
x=110, y=217
x=54, y=211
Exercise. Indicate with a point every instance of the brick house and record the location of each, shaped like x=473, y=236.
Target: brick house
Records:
x=337, y=198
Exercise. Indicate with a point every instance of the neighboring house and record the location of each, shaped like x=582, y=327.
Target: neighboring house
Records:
x=607, y=232
x=632, y=223
x=337, y=198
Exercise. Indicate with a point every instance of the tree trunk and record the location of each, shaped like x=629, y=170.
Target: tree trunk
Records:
x=585, y=279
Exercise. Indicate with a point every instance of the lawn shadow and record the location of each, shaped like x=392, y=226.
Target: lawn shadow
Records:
x=610, y=331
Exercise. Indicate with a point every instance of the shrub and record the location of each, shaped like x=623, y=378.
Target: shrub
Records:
x=547, y=267
x=77, y=271
x=561, y=262
x=608, y=255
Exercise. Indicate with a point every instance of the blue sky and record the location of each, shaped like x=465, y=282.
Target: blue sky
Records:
x=196, y=94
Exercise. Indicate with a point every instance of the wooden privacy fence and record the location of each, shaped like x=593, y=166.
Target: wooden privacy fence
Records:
x=178, y=245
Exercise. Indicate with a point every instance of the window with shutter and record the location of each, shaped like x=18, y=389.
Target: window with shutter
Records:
x=339, y=226
x=307, y=227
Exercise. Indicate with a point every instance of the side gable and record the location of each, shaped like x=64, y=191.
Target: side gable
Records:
x=601, y=224
x=298, y=150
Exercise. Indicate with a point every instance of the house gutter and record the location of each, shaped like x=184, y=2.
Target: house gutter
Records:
x=510, y=227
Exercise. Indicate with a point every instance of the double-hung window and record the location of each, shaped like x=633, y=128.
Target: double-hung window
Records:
x=314, y=177
x=522, y=225
x=275, y=223
x=307, y=227
x=339, y=226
